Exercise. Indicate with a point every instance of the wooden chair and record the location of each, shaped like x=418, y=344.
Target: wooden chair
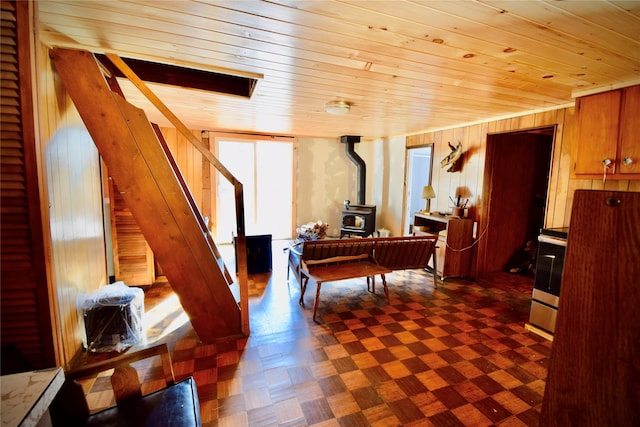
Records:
x=176, y=404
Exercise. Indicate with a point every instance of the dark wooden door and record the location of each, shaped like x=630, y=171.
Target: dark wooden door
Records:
x=516, y=180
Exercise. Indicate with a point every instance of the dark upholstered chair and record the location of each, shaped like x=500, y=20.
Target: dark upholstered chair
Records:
x=176, y=404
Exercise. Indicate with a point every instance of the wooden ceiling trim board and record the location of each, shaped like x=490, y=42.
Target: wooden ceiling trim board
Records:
x=558, y=16
x=500, y=39
x=520, y=61
x=276, y=50
x=521, y=16
x=371, y=56
x=448, y=54
x=260, y=50
x=83, y=35
x=318, y=97
x=443, y=102
x=609, y=15
x=371, y=109
x=547, y=91
x=481, y=97
x=631, y=7
x=531, y=35
x=591, y=91
x=379, y=55
x=320, y=118
x=335, y=39
x=316, y=93
x=411, y=83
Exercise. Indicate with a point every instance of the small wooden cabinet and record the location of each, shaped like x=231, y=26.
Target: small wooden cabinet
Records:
x=455, y=236
x=608, y=131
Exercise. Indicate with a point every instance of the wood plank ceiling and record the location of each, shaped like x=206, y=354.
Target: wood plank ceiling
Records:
x=404, y=66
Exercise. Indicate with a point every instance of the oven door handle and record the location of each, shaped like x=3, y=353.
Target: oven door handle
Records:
x=553, y=260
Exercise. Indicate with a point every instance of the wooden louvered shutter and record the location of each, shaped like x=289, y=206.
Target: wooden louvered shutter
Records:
x=25, y=317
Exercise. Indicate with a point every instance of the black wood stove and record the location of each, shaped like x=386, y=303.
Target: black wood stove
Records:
x=358, y=219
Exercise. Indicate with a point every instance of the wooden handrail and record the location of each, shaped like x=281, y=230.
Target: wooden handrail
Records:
x=241, y=243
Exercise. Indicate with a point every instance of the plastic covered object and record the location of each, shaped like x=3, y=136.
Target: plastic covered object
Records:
x=313, y=231
x=112, y=317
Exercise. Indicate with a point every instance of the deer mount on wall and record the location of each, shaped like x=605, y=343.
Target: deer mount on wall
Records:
x=453, y=158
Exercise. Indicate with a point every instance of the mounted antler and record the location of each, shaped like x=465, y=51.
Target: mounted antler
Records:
x=453, y=158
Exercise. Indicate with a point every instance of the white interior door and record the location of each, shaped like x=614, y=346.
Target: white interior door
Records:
x=418, y=175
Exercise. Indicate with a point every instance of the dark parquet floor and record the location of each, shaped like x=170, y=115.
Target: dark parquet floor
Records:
x=453, y=355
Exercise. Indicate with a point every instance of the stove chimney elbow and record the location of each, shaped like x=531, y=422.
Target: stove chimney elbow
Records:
x=349, y=141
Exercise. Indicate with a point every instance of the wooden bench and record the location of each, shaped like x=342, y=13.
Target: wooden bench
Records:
x=333, y=260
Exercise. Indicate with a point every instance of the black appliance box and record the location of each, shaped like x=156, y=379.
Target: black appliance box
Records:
x=259, y=258
x=113, y=318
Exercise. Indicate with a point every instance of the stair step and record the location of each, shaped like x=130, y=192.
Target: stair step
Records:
x=225, y=273
x=235, y=290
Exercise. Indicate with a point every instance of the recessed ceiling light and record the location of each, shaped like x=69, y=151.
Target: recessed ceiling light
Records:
x=337, y=107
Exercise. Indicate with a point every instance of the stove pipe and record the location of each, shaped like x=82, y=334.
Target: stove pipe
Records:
x=349, y=141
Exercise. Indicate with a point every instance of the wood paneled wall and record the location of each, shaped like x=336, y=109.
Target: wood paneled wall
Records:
x=73, y=182
x=189, y=161
x=134, y=261
x=474, y=141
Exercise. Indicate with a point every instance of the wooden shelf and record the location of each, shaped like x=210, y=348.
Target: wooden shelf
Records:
x=454, y=235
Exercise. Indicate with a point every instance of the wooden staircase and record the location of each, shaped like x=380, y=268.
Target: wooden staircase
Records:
x=149, y=181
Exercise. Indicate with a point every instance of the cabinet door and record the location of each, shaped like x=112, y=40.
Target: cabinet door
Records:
x=458, y=253
x=598, y=120
x=441, y=253
x=630, y=131
x=593, y=373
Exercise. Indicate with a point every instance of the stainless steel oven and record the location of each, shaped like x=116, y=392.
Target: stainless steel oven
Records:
x=552, y=244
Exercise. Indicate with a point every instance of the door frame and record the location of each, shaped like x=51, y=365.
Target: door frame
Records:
x=410, y=187
x=491, y=209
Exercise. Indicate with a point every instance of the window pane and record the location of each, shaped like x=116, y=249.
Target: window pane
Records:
x=274, y=172
x=265, y=170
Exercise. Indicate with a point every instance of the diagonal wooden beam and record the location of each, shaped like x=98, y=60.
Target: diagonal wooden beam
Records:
x=241, y=243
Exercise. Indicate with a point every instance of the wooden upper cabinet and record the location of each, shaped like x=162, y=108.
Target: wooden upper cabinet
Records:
x=630, y=131
x=608, y=133
x=598, y=123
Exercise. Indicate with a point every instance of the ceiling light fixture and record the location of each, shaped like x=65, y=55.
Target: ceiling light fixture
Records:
x=337, y=107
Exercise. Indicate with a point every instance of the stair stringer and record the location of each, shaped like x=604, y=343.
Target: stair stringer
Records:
x=194, y=206
x=128, y=144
